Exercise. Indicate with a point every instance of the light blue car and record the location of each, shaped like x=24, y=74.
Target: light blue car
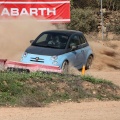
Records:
x=59, y=48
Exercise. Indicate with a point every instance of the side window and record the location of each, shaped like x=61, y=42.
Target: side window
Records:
x=74, y=40
x=42, y=38
x=82, y=39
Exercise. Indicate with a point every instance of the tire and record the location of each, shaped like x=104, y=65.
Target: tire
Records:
x=65, y=67
x=89, y=62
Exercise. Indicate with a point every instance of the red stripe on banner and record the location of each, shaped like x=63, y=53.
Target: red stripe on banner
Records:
x=55, y=11
x=32, y=0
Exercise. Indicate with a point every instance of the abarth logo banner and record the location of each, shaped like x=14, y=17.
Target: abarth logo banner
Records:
x=54, y=10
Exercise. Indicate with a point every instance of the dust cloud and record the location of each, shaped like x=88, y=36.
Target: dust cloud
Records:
x=16, y=34
x=106, y=55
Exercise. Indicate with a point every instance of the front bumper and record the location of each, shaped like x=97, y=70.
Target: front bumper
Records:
x=14, y=65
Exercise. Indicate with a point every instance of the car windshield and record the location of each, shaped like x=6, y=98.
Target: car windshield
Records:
x=51, y=40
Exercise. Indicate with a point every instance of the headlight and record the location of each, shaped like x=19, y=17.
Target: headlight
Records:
x=25, y=54
x=54, y=58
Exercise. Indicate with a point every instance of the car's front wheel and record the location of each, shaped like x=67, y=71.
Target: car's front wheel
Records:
x=89, y=62
x=65, y=67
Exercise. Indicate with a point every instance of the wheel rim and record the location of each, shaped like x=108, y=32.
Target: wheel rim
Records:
x=65, y=67
x=89, y=62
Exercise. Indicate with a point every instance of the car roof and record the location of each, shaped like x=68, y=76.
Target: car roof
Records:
x=67, y=32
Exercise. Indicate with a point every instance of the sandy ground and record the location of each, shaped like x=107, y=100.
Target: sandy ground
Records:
x=15, y=38
x=67, y=111
x=113, y=76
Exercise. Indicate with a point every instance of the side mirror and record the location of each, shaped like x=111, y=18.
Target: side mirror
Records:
x=31, y=41
x=73, y=47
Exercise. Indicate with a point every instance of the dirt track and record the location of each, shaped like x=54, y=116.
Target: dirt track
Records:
x=106, y=65
x=66, y=111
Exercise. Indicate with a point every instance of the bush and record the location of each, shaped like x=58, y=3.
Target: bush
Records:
x=117, y=29
x=114, y=28
x=82, y=20
x=117, y=26
x=108, y=4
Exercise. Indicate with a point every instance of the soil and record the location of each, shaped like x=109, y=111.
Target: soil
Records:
x=65, y=111
x=15, y=37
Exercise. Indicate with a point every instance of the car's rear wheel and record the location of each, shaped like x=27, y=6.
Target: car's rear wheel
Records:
x=89, y=62
x=65, y=67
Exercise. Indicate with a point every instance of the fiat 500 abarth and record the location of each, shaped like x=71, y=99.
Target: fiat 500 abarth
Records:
x=59, y=48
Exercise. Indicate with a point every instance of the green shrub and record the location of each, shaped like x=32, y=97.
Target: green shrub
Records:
x=117, y=27
x=114, y=28
x=108, y=4
x=82, y=20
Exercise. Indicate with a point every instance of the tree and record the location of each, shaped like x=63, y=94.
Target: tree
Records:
x=82, y=20
x=108, y=4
